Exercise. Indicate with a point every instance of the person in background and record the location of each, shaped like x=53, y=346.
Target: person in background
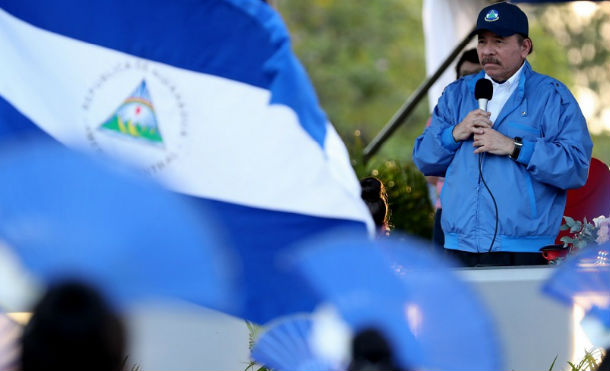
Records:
x=73, y=328
x=468, y=64
x=519, y=157
x=372, y=352
x=376, y=199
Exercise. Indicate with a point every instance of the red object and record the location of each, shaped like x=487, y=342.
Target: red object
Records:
x=590, y=200
x=553, y=252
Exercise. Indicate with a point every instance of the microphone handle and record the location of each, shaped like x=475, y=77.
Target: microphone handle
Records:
x=483, y=104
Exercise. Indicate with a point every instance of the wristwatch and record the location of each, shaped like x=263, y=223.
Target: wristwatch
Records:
x=518, y=144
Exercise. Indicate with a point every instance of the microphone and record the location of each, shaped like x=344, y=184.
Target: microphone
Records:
x=483, y=91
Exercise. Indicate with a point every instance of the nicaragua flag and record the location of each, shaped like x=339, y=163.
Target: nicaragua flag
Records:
x=204, y=95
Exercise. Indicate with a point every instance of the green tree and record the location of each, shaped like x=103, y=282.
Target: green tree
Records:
x=572, y=44
x=364, y=58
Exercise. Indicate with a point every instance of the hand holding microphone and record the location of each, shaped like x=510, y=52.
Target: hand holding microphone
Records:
x=476, y=121
x=485, y=138
x=473, y=123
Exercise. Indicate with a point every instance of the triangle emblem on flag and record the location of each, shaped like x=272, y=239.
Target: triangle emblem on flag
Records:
x=135, y=117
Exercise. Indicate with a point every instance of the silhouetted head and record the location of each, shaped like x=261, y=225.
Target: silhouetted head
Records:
x=468, y=63
x=73, y=328
x=371, y=352
x=374, y=195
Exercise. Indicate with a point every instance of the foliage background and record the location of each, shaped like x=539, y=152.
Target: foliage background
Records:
x=366, y=57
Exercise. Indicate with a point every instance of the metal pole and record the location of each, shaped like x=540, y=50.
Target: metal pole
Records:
x=406, y=109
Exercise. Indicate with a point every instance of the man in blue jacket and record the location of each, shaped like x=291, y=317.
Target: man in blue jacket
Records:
x=528, y=149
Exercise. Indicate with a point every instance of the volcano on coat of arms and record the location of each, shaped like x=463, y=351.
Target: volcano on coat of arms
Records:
x=135, y=117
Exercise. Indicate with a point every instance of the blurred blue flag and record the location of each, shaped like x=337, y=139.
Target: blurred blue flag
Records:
x=286, y=346
x=205, y=96
x=432, y=319
x=584, y=280
x=69, y=217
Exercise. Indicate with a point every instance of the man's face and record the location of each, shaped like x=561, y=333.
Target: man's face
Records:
x=501, y=56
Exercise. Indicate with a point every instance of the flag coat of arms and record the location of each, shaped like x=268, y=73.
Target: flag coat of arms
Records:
x=205, y=96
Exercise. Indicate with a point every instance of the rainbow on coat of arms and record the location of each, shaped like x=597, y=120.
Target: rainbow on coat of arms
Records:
x=135, y=118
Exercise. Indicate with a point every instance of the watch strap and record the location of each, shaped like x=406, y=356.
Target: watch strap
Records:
x=518, y=144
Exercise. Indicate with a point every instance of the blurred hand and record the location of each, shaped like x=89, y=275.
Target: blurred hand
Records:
x=473, y=123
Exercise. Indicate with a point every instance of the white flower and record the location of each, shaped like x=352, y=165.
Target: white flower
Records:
x=602, y=234
x=600, y=221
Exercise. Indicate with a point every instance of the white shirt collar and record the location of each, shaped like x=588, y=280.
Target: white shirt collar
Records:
x=508, y=83
x=501, y=93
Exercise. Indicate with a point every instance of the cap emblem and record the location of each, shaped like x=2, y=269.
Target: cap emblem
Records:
x=492, y=16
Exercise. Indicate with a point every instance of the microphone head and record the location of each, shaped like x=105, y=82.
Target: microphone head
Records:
x=483, y=89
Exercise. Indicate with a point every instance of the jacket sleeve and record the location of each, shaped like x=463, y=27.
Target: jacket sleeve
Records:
x=434, y=149
x=562, y=156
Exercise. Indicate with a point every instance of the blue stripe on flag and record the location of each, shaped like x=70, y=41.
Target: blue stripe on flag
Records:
x=14, y=125
x=264, y=240
x=170, y=32
x=241, y=40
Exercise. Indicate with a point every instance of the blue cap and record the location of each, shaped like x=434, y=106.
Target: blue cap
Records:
x=503, y=19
